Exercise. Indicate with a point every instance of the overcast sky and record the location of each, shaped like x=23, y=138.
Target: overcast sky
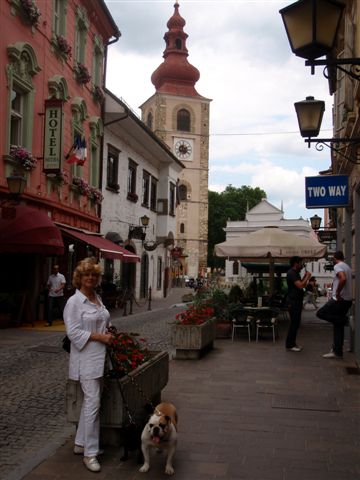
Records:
x=248, y=70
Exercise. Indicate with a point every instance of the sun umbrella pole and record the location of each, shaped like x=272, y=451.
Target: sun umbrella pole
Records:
x=271, y=274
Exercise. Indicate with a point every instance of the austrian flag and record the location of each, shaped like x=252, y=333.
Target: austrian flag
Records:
x=77, y=153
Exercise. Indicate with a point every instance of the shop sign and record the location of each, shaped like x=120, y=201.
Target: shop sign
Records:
x=53, y=136
x=326, y=236
x=325, y=191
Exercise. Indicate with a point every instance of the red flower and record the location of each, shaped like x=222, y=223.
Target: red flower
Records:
x=126, y=353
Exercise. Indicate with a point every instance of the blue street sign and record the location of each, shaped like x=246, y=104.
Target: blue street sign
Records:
x=327, y=191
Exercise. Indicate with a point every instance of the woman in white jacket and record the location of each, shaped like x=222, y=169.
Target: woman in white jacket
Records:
x=86, y=320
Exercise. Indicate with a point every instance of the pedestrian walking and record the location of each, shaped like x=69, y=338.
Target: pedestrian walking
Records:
x=55, y=284
x=310, y=296
x=294, y=299
x=86, y=320
x=336, y=309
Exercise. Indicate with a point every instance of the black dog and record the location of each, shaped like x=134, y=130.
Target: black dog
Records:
x=131, y=435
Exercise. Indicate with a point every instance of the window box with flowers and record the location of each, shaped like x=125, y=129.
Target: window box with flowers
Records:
x=80, y=187
x=137, y=369
x=95, y=195
x=23, y=158
x=132, y=196
x=98, y=94
x=61, y=178
x=82, y=73
x=28, y=11
x=62, y=47
x=194, y=331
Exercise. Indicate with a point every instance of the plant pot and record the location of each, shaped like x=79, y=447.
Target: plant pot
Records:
x=223, y=329
x=192, y=341
x=142, y=386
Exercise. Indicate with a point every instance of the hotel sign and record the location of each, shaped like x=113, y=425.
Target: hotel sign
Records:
x=326, y=191
x=53, y=136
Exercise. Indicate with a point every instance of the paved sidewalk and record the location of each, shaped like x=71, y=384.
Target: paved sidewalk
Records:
x=251, y=411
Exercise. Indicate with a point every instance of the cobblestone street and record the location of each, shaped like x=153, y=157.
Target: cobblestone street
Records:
x=33, y=373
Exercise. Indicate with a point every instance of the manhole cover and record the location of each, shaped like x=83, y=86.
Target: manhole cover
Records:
x=46, y=349
x=293, y=402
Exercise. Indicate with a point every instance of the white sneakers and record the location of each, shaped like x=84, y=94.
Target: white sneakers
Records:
x=296, y=348
x=332, y=354
x=92, y=464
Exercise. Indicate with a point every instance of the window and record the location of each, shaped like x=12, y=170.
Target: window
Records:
x=149, y=120
x=81, y=26
x=182, y=228
x=145, y=189
x=131, y=184
x=112, y=168
x=178, y=44
x=59, y=14
x=183, y=120
x=22, y=67
x=183, y=193
x=79, y=114
x=172, y=199
x=153, y=194
x=159, y=273
x=95, y=165
x=236, y=268
x=16, y=117
x=98, y=57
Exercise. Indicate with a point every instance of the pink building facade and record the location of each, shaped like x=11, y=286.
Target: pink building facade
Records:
x=52, y=64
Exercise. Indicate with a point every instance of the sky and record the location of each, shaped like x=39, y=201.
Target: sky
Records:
x=248, y=70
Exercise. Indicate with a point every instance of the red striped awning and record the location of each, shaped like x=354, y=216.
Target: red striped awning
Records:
x=107, y=248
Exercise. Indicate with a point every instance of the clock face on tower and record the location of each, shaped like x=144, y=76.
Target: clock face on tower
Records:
x=183, y=149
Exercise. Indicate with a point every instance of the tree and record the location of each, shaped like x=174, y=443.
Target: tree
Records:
x=231, y=204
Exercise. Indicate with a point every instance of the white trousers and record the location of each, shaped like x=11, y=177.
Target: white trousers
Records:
x=88, y=431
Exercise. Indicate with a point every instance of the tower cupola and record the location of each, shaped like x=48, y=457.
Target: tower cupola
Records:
x=176, y=75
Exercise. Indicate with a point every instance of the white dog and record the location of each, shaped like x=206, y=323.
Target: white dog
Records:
x=160, y=433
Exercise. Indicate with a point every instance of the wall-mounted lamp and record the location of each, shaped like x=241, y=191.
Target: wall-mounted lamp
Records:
x=16, y=185
x=309, y=114
x=312, y=27
x=315, y=222
x=139, y=231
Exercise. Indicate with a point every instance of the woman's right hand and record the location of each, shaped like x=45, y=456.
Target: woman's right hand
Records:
x=105, y=338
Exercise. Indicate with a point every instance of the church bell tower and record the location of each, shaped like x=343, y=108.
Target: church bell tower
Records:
x=180, y=117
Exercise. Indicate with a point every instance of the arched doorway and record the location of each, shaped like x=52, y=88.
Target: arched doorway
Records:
x=144, y=277
x=128, y=273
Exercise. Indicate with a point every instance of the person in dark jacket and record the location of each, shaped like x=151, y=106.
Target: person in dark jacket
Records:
x=295, y=297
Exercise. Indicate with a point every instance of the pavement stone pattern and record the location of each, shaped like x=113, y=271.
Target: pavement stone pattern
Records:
x=33, y=373
x=230, y=423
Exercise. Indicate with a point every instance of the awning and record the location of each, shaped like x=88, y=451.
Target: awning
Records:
x=107, y=248
x=30, y=231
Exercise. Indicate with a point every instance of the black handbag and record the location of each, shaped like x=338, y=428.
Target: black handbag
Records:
x=66, y=344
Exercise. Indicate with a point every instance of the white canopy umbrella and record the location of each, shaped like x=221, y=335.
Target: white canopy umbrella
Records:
x=271, y=243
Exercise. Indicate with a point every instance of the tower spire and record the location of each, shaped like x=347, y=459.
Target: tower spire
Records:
x=176, y=75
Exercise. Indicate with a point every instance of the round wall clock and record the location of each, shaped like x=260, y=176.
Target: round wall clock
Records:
x=183, y=149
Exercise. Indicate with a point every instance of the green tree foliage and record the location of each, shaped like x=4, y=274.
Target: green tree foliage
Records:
x=231, y=204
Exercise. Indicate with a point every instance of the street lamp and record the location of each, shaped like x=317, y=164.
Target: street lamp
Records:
x=315, y=222
x=309, y=114
x=139, y=231
x=312, y=27
x=16, y=184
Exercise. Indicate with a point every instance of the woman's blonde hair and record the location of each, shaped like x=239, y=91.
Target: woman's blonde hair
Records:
x=88, y=265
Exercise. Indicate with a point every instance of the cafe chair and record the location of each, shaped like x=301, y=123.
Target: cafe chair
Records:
x=242, y=320
x=267, y=320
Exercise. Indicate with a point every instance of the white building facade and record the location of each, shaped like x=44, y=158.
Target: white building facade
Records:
x=139, y=180
x=264, y=214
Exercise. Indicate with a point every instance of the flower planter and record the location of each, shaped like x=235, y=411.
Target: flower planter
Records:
x=141, y=386
x=192, y=341
x=223, y=329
